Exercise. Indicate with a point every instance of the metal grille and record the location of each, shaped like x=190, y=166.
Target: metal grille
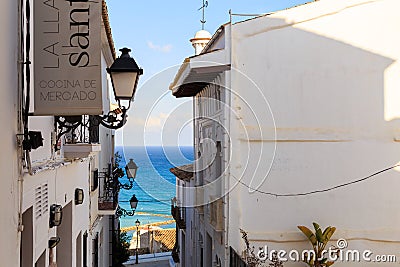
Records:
x=108, y=191
x=77, y=129
x=235, y=260
x=41, y=200
x=94, y=136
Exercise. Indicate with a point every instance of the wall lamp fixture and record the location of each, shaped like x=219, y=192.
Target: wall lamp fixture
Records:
x=53, y=242
x=55, y=215
x=79, y=196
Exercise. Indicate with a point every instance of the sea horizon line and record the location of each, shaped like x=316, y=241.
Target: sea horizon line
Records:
x=153, y=146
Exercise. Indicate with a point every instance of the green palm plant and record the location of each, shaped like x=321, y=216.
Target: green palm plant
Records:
x=318, y=240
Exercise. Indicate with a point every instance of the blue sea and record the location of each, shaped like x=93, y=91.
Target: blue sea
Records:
x=154, y=185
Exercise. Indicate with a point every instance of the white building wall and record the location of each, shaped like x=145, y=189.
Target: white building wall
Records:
x=8, y=114
x=61, y=177
x=61, y=184
x=312, y=97
x=210, y=131
x=62, y=180
x=54, y=179
x=329, y=71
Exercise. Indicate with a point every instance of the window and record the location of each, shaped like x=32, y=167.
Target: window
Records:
x=218, y=161
x=235, y=260
x=95, y=180
x=95, y=253
x=218, y=97
x=94, y=129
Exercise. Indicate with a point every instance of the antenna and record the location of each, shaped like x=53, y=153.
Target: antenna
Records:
x=203, y=21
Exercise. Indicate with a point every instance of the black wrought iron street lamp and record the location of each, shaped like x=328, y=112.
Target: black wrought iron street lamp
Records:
x=133, y=202
x=124, y=73
x=130, y=169
x=123, y=212
x=137, y=223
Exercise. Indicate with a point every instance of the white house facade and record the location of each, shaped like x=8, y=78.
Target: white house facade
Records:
x=68, y=171
x=9, y=155
x=296, y=121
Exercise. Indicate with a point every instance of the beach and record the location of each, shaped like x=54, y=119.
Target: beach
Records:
x=154, y=185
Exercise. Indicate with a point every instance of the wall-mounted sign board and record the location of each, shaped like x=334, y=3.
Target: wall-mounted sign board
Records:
x=67, y=57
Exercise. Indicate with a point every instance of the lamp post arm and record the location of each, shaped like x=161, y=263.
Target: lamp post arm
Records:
x=126, y=186
x=123, y=212
x=114, y=119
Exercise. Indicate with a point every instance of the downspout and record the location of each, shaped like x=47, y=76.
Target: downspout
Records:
x=20, y=126
x=228, y=99
x=26, y=98
x=194, y=219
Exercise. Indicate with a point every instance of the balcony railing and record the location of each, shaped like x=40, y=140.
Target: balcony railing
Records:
x=83, y=129
x=175, y=250
x=177, y=215
x=78, y=134
x=108, y=194
x=200, y=199
x=216, y=214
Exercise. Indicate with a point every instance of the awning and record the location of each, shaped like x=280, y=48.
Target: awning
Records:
x=197, y=72
x=185, y=172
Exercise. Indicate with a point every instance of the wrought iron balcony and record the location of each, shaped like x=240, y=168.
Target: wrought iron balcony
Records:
x=216, y=214
x=78, y=129
x=175, y=250
x=176, y=213
x=108, y=193
x=79, y=134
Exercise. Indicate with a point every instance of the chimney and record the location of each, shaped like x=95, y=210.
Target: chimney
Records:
x=200, y=41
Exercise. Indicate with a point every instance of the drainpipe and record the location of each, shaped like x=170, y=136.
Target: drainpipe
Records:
x=194, y=168
x=227, y=145
x=194, y=225
x=20, y=126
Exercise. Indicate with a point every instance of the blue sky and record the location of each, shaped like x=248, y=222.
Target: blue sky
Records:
x=158, y=33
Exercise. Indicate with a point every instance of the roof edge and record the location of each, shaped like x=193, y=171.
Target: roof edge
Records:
x=215, y=36
x=274, y=12
x=179, y=73
x=106, y=21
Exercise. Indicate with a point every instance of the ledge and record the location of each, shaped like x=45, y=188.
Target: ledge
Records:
x=72, y=151
x=185, y=172
x=372, y=235
x=107, y=208
x=38, y=167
